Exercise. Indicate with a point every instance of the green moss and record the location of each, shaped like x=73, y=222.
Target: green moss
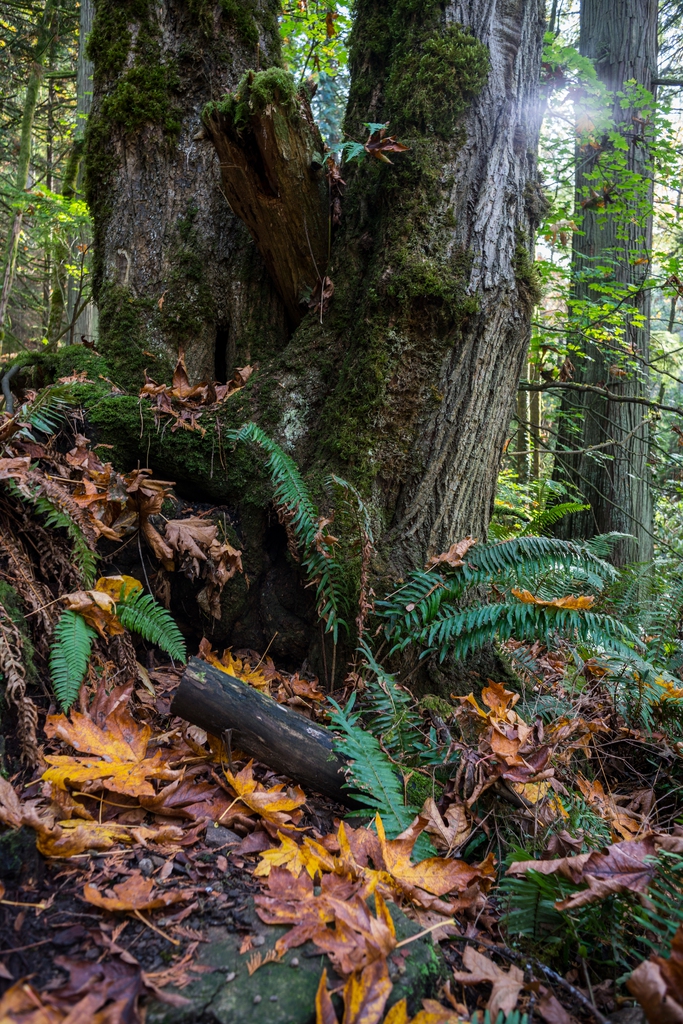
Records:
x=188, y=303
x=420, y=788
x=441, y=707
x=138, y=85
x=432, y=83
x=127, y=338
x=242, y=14
x=255, y=91
x=526, y=273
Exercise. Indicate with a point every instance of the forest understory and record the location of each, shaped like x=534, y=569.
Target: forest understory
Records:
x=341, y=496
x=510, y=844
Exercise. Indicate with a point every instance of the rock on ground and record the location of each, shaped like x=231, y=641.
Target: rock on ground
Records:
x=284, y=992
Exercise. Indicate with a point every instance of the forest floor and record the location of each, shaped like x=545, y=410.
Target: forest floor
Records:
x=149, y=871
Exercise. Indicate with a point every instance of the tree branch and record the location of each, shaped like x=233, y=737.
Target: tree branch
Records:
x=603, y=392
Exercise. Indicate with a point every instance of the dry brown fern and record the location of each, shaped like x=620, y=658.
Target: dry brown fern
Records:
x=20, y=572
x=14, y=673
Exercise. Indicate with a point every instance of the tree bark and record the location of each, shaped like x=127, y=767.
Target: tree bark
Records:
x=271, y=157
x=406, y=384
x=621, y=37
x=173, y=266
x=274, y=734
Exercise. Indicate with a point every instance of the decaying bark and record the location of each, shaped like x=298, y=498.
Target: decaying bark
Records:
x=271, y=159
x=274, y=734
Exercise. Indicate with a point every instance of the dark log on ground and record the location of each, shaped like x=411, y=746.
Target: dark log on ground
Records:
x=262, y=728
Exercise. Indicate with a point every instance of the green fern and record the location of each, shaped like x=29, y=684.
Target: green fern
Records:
x=291, y=493
x=388, y=710
x=47, y=411
x=83, y=553
x=140, y=613
x=541, y=521
x=69, y=656
x=373, y=781
x=84, y=557
x=73, y=638
x=444, y=613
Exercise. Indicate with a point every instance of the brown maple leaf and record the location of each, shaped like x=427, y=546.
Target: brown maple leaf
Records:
x=506, y=984
x=136, y=893
x=119, y=747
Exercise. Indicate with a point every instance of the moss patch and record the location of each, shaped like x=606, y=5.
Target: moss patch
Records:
x=253, y=94
x=527, y=274
x=432, y=83
x=139, y=87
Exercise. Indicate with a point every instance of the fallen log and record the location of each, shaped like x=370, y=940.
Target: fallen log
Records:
x=281, y=738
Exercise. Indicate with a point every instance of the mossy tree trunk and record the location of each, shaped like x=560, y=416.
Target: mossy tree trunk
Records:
x=406, y=384
x=621, y=37
x=173, y=266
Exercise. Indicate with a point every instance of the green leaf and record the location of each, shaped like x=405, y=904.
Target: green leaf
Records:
x=69, y=656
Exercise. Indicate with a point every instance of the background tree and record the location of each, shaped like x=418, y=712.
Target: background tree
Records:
x=611, y=267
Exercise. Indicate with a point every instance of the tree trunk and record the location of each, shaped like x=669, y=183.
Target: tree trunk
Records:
x=45, y=31
x=173, y=267
x=621, y=37
x=406, y=384
x=85, y=322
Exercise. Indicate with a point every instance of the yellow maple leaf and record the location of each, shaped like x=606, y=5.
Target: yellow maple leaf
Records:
x=120, y=747
x=277, y=804
x=309, y=856
x=118, y=587
x=255, y=677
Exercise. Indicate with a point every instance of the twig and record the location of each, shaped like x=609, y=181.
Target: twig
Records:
x=427, y=931
x=548, y=971
x=13, y=903
x=603, y=392
x=176, y=942
x=20, y=949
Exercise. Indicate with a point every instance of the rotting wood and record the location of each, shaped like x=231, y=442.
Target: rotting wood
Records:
x=272, y=171
x=274, y=734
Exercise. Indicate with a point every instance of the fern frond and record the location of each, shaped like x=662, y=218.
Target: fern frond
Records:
x=69, y=656
x=60, y=510
x=291, y=492
x=543, y=520
x=372, y=777
x=389, y=708
x=48, y=409
x=140, y=613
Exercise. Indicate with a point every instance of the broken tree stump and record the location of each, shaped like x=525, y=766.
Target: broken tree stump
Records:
x=270, y=732
x=272, y=159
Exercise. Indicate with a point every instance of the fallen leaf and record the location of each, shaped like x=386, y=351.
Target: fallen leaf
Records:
x=581, y=603
x=450, y=832
x=551, y=1010
x=435, y=875
x=98, y=609
x=278, y=805
x=136, y=893
x=258, y=677
x=623, y=867
x=454, y=557
x=506, y=984
x=657, y=984
x=120, y=746
x=118, y=587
